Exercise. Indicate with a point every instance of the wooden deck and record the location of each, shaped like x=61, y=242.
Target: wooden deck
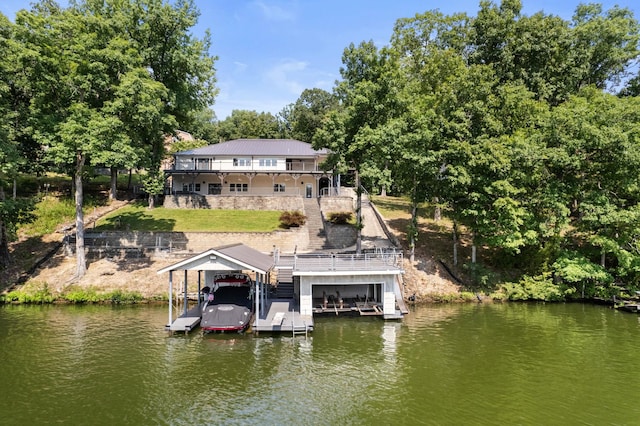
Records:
x=283, y=316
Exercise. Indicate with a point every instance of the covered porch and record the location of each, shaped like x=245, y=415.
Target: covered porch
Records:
x=210, y=183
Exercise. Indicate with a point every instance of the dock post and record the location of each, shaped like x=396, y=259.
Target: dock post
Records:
x=170, y=297
x=185, y=300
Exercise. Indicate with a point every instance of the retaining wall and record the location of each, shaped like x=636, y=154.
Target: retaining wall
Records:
x=164, y=243
x=233, y=202
x=336, y=204
x=340, y=236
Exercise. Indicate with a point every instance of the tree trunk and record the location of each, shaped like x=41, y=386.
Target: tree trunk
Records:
x=81, y=264
x=151, y=201
x=358, y=214
x=437, y=212
x=455, y=244
x=474, y=251
x=113, y=188
x=413, y=229
x=603, y=259
x=129, y=181
x=5, y=259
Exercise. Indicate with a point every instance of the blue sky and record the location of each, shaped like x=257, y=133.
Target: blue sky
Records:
x=271, y=50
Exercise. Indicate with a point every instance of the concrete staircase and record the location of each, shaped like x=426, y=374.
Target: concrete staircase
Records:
x=315, y=226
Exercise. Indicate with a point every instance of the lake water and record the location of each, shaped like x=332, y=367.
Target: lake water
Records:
x=485, y=364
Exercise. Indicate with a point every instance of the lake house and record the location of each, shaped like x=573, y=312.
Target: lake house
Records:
x=256, y=167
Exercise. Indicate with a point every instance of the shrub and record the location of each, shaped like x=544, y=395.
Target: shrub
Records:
x=292, y=219
x=81, y=296
x=540, y=287
x=40, y=295
x=119, y=296
x=90, y=295
x=340, y=218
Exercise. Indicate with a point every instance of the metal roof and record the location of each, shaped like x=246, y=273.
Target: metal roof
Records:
x=261, y=147
x=225, y=258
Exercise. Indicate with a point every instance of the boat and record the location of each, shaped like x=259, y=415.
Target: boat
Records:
x=229, y=304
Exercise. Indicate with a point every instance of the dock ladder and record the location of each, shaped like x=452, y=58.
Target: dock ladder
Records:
x=299, y=331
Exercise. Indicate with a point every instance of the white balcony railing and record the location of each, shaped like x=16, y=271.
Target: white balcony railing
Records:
x=389, y=261
x=228, y=166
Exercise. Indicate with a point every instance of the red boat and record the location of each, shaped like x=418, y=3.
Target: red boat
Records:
x=229, y=305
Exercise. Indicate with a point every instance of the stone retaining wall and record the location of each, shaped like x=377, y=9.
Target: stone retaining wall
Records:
x=162, y=243
x=340, y=236
x=233, y=202
x=336, y=204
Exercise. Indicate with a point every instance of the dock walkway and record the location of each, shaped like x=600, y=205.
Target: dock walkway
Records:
x=283, y=316
x=186, y=322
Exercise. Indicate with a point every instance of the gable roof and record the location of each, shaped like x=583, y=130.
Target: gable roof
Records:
x=225, y=258
x=261, y=147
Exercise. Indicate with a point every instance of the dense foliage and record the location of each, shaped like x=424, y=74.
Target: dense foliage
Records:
x=523, y=130
x=513, y=125
x=98, y=83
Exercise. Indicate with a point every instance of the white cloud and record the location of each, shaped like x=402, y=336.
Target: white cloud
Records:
x=275, y=12
x=282, y=76
x=239, y=66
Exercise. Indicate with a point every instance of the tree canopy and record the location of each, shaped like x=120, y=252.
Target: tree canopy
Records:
x=104, y=81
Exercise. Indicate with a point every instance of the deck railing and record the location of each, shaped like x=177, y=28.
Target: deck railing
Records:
x=251, y=166
x=385, y=261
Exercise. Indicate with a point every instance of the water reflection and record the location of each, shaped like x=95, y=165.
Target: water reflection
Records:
x=443, y=364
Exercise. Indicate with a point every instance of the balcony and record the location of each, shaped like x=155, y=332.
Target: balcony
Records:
x=246, y=165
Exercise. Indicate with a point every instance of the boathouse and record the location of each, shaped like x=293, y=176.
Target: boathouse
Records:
x=290, y=289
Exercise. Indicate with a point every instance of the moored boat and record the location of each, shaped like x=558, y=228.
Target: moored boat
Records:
x=229, y=304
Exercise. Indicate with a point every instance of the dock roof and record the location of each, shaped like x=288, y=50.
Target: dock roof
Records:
x=225, y=258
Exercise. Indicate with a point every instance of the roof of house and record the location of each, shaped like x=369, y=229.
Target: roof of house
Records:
x=225, y=258
x=259, y=147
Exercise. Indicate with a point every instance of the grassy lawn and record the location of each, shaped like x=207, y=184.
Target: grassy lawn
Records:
x=51, y=211
x=138, y=217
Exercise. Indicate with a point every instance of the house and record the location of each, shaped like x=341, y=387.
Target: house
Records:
x=256, y=167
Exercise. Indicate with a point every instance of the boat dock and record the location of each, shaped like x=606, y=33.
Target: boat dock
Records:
x=283, y=316
x=290, y=289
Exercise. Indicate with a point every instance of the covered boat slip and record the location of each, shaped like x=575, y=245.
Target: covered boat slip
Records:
x=236, y=258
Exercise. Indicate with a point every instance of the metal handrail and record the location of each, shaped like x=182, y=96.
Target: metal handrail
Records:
x=379, y=261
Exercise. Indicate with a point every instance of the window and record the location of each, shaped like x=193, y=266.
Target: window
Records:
x=191, y=187
x=241, y=162
x=279, y=187
x=203, y=164
x=215, y=189
x=268, y=162
x=238, y=187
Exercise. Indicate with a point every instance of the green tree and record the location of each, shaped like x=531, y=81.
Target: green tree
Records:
x=13, y=103
x=366, y=97
x=430, y=51
x=250, y=125
x=309, y=111
x=552, y=57
x=593, y=141
x=111, y=78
